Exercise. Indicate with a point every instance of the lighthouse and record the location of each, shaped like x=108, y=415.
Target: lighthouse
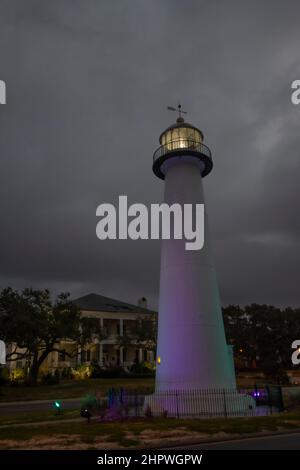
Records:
x=192, y=353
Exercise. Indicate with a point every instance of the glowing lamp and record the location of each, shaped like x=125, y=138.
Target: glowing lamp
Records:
x=57, y=406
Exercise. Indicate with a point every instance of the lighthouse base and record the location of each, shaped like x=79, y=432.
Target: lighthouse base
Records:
x=208, y=403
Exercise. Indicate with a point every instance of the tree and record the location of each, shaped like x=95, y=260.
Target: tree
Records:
x=262, y=333
x=35, y=326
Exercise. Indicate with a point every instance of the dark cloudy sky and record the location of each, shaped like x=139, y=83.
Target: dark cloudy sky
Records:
x=88, y=83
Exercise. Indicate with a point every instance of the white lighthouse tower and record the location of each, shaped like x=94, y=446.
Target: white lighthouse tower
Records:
x=192, y=352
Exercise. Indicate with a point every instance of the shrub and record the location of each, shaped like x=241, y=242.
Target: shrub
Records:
x=96, y=371
x=16, y=376
x=66, y=373
x=116, y=412
x=90, y=402
x=93, y=405
x=50, y=379
x=143, y=368
x=113, y=372
x=82, y=372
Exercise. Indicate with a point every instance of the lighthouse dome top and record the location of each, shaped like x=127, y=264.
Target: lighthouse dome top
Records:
x=181, y=131
x=181, y=142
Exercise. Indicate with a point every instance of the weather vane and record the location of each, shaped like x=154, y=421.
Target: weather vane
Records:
x=179, y=110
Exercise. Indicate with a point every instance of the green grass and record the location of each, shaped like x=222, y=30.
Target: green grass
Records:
x=79, y=388
x=71, y=389
x=38, y=416
x=128, y=434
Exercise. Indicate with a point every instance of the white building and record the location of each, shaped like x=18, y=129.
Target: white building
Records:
x=116, y=347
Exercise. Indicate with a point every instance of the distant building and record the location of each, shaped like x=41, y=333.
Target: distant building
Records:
x=116, y=320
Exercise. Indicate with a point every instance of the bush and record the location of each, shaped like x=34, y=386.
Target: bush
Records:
x=50, y=379
x=92, y=405
x=17, y=376
x=113, y=372
x=96, y=371
x=90, y=402
x=143, y=368
x=82, y=372
x=66, y=373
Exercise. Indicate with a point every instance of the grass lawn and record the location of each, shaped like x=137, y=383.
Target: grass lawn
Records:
x=80, y=435
x=79, y=388
x=72, y=389
x=38, y=416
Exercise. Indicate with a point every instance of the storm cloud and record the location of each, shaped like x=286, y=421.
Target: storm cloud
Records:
x=88, y=85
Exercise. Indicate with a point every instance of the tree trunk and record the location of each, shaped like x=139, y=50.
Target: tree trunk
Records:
x=35, y=366
x=34, y=370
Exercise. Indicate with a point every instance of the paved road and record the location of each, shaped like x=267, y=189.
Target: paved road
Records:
x=14, y=408
x=278, y=442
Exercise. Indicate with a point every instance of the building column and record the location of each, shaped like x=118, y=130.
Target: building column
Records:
x=121, y=356
x=100, y=359
x=79, y=356
x=140, y=355
x=121, y=327
x=151, y=356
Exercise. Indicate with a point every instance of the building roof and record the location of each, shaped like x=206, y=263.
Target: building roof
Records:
x=95, y=302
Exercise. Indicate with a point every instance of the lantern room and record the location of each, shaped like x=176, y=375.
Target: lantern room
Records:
x=181, y=141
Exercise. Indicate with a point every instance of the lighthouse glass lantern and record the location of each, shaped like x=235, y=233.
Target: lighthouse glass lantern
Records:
x=181, y=139
x=181, y=136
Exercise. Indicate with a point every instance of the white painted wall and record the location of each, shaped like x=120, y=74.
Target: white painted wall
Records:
x=191, y=338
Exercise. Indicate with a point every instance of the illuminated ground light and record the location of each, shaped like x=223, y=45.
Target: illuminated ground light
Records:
x=57, y=406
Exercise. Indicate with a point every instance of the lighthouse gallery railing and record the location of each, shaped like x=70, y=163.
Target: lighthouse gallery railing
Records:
x=182, y=146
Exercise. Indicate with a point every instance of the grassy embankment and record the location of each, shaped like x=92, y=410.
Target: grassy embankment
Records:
x=142, y=432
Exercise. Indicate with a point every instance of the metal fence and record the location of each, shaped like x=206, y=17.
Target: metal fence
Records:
x=182, y=145
x=204, y=403
x=267, y=396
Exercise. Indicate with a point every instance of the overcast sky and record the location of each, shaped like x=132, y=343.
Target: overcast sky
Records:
x=88, y=83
